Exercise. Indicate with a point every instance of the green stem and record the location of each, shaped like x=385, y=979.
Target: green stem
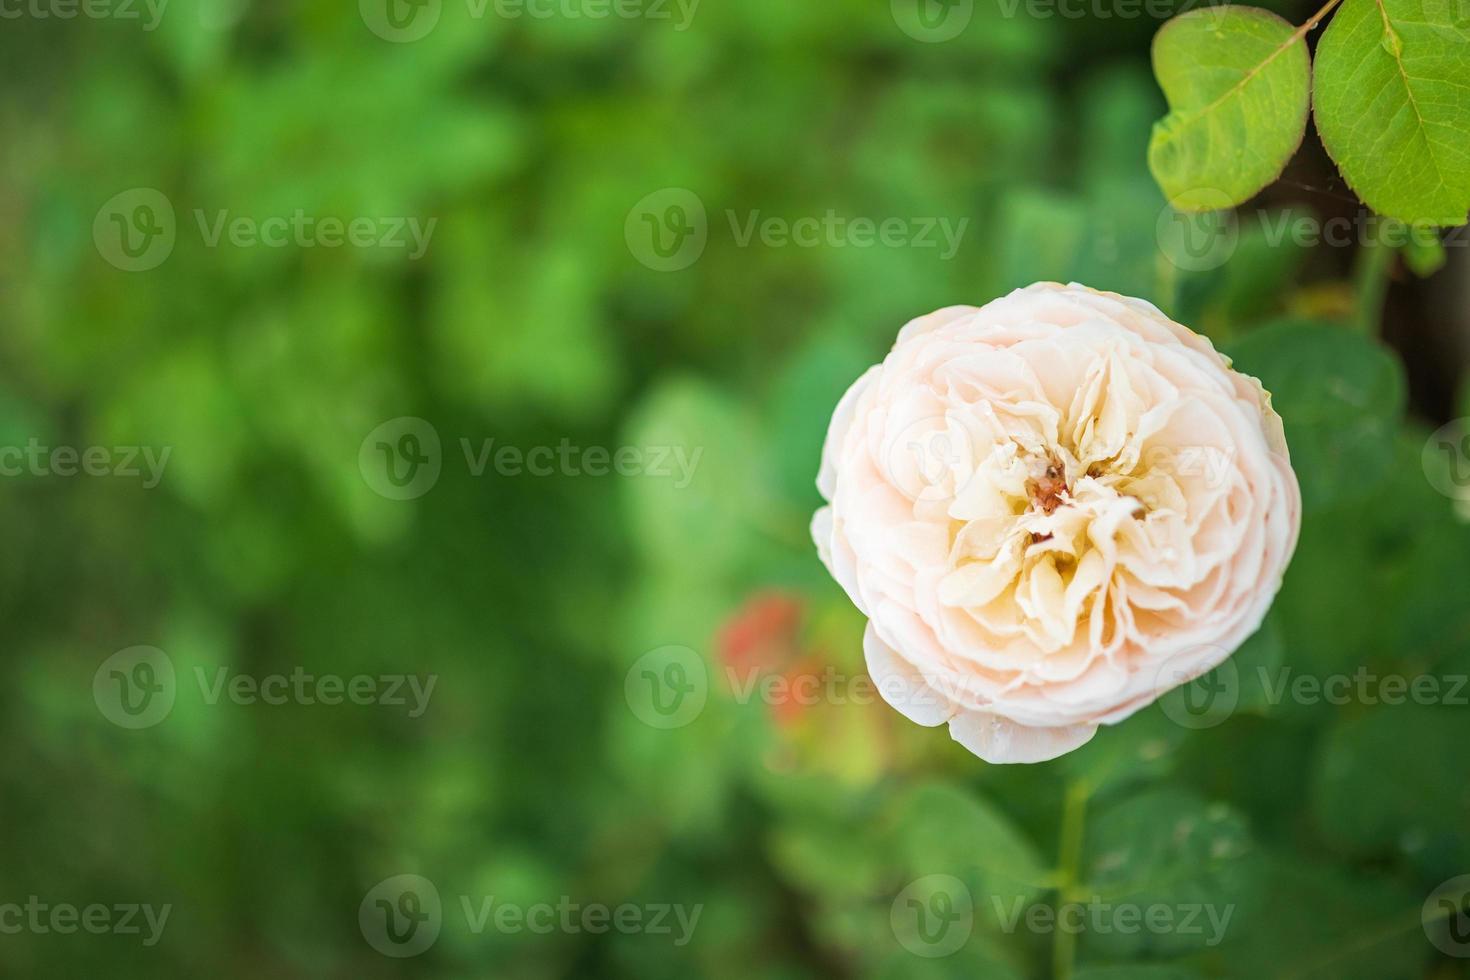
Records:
x=1370, y=284
x=1069, y=860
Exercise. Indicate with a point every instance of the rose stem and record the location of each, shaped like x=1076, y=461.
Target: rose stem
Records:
x=1074, y=822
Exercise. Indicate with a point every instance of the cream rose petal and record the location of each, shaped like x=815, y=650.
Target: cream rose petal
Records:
x=997, y=740
x=901, y=684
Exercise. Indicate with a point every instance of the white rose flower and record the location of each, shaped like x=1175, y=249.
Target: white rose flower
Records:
x=1041, y=503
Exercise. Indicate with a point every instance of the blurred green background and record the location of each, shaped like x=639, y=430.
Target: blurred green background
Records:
x=543, y=313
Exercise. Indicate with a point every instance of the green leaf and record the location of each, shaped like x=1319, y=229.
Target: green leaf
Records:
x=827, y=860
x=1384, y=784
x=1316, y=922
x=1166, y=851
x=1392, y=106
x=1248, y=766
x=1325, y=622
x=1426, y=617
x=940, y=829
x=1340, y=397
x=1165, y=841
x=1237, y=80
x=943, y=828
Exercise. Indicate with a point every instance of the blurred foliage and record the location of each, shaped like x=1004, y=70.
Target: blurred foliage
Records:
x=531, y=321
